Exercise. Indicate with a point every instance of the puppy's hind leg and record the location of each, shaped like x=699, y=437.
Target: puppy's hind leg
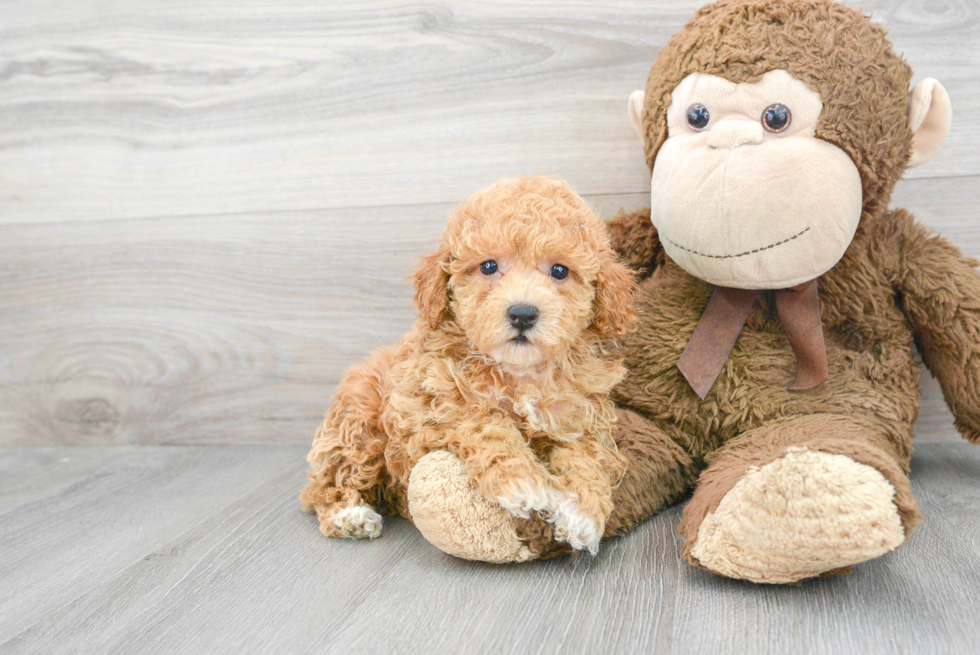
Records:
x=358, y=522
x=347, y=456
x=341, y=512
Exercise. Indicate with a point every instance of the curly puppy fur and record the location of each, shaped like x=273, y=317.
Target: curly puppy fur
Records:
x=530, y=418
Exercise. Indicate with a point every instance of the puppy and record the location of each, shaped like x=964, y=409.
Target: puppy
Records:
x=503, y=368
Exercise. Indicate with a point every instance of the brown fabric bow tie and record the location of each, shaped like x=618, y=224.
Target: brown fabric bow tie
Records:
x=714, y=336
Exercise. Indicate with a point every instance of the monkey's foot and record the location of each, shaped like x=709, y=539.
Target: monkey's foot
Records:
x=453, y=516
x=803, y=515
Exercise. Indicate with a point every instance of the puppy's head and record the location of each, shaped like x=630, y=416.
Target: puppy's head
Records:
x=525, y=270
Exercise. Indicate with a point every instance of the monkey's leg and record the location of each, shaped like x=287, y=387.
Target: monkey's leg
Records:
x=448, y=509
x=450, y=512
x=659, y=471
x=800, y=497
x=347, y=457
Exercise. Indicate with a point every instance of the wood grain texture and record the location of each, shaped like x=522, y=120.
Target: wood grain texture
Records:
x=235, y=329
x=119, y=109
x=100, y=511
x=224, y=561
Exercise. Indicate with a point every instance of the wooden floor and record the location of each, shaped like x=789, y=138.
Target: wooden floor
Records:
x=203, y=549
x=207, y=213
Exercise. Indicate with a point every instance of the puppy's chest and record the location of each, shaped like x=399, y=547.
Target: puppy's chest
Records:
x=539, y=408
x=539, y=416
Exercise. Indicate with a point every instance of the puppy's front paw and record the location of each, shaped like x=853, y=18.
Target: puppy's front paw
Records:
x=521, y=497
x=572, y=525
x=357, y=523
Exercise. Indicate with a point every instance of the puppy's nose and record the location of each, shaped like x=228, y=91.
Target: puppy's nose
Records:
x=522, y=317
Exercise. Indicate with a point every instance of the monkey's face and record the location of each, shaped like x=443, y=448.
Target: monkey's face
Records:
x=743, y=194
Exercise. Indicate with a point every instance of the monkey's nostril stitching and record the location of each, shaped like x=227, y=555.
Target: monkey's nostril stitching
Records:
x=732, y=134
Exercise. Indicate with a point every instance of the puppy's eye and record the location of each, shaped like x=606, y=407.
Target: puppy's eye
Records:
x=559, y=272
x=488, y=267
x=776, y=117
x=698, y=116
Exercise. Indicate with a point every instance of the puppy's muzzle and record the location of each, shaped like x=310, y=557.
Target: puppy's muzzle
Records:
x=522, y=317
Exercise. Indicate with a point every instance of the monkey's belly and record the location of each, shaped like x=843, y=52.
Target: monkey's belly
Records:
x=879, y=382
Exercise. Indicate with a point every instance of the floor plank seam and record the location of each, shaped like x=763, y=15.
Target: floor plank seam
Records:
x=135, y=562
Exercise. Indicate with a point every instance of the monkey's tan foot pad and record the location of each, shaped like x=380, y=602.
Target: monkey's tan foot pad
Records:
x=803, y=515
x=453, y=516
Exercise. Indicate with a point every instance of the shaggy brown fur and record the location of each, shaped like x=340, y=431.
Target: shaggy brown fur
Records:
x=834, y=49
x=529, y=418
x=896, y=286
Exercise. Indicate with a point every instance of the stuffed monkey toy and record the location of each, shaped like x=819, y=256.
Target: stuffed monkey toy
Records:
x=772, y=374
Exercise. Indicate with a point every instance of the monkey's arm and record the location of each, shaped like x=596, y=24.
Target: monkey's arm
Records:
x=635, y=240
x=940, y=293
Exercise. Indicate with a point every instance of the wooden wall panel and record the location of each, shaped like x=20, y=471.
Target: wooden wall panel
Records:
x=122, y=109
x=208, y=211
x=235, y=328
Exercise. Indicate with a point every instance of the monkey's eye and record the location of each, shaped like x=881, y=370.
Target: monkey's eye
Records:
x=559, y=272
x=698, y=116
x=488, y=267
x=776, y=117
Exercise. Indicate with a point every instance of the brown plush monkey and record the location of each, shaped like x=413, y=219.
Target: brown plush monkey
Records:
x=781, y=298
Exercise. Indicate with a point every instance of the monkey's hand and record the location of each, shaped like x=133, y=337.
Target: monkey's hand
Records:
x=635, y=240
x=940, y=291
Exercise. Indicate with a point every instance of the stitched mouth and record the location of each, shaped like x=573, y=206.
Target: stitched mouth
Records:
x=741, y=254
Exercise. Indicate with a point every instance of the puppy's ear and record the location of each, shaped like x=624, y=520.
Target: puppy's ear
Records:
x=432, y=287
x=613, y=312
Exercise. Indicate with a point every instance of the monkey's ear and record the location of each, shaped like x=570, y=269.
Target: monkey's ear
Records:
x=613, y=313
x=635, y=111
x=431, y=282
x=930, y=115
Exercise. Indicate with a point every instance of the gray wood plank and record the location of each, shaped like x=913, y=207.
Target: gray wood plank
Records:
x=235, y=329
x=279, y=584
x=124, y=506
x=29, y=472
x=948, y=476
x=119, y=109
x=621, y=601
x=255, y=576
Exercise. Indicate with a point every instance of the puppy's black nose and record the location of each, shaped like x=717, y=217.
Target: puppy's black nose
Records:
x=522, y=317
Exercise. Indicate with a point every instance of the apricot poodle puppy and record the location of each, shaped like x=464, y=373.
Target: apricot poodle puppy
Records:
x=504, y=369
